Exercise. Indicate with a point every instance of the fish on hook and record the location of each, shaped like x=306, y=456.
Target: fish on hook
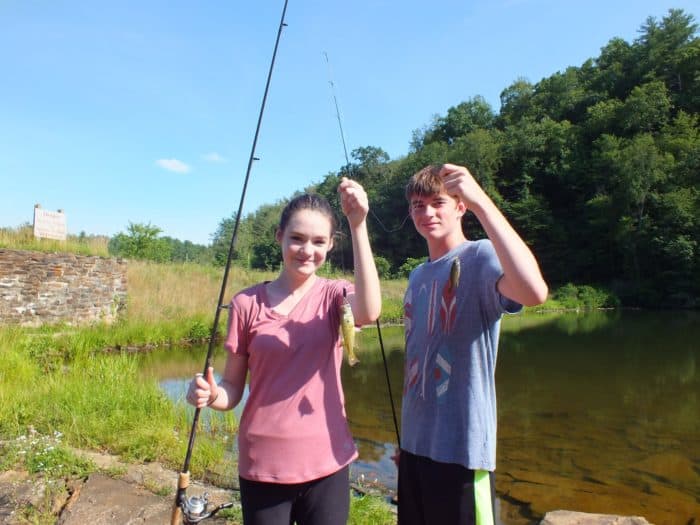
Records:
x=455, y=271
x=347, y=329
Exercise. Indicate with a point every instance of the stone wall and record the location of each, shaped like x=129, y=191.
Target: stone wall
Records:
x=46, y=288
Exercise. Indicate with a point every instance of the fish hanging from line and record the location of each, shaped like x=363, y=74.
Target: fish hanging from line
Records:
x=448, y=299
x=347, y=329
x=455, y=270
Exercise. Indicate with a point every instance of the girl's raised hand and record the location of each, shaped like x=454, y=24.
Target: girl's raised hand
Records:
x=353, y=201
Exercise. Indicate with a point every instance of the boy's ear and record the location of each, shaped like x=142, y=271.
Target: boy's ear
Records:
x=330, y=244
x=278, y=235
x=461, y=207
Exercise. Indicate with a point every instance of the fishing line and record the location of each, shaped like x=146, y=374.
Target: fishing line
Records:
x=194, y=509
x=379, y=330
x=345, y=149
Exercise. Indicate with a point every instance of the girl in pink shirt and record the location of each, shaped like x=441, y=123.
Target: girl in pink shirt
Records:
x=294, y=442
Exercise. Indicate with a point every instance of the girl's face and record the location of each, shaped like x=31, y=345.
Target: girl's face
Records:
x=305, y=241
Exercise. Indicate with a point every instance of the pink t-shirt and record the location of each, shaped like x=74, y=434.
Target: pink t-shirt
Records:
x=293, y=427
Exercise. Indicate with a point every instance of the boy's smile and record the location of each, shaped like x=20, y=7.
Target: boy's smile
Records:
x=436, y=216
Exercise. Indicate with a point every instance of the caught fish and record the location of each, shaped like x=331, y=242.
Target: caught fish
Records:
x=454, y=273
x=347, y=330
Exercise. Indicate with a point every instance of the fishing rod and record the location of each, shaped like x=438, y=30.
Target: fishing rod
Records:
x=379, y=330
x=194, y=509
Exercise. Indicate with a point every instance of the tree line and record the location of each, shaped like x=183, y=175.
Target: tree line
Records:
x=596, y=166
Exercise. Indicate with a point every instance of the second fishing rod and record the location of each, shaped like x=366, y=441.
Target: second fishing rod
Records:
x=379, y=329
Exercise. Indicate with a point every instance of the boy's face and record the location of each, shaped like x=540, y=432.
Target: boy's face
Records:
x=436, y=216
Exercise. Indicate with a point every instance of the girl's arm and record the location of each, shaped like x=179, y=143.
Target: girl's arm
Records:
x=366, y=302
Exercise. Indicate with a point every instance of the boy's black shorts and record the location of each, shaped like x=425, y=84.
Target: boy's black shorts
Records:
x=431, y=493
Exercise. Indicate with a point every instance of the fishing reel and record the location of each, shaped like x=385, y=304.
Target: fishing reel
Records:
x=195, y=508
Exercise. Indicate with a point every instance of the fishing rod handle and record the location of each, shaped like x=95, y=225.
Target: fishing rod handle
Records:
x=183, y=481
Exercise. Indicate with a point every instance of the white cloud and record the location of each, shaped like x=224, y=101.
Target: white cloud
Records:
x=214, y=157
x=173, y=165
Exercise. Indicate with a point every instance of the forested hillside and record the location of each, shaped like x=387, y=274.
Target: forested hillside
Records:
x=597, y=166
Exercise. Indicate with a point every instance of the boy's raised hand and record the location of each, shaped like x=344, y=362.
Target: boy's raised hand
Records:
x=353, y=201
x=460, y=183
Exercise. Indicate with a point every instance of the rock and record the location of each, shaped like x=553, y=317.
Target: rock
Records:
x=106, y=500
x=567, y=517
x=132, y=494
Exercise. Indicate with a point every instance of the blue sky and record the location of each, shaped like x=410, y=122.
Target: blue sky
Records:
x=145, y=112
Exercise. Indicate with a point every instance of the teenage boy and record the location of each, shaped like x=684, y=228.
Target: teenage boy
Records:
x=453, y=307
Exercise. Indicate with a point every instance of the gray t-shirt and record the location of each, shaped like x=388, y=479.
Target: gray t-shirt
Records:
x=449, y=396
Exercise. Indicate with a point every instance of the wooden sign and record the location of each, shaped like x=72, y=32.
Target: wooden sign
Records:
x=49, y=224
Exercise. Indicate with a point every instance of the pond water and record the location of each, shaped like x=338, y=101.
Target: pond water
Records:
x=597, y=412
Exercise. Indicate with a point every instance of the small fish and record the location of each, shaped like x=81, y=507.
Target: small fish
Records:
x=454, y=274
x=347, y=330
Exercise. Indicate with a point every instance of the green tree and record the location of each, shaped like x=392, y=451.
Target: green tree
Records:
x=141, y=242
x=461, y=119
x=516, y=101
x=243, y=244
x=647, y=109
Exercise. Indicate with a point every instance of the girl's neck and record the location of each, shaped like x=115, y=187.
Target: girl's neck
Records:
x=284, y=293
x=291, y=285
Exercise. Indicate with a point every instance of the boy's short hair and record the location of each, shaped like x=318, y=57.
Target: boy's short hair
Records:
x=427, y=182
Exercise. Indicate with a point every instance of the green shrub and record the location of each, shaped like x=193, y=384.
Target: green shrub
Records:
x=383, y=266
x=198, y=330
x=584, y=296
x=406, y=268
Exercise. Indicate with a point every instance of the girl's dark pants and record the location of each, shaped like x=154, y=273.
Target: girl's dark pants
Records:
x=324, y=501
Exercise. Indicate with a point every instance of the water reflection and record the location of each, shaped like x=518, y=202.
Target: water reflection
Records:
x=598, y=412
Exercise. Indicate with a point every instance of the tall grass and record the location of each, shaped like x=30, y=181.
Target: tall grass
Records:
x=22, y=238
x=95, y=401
x=163, y=292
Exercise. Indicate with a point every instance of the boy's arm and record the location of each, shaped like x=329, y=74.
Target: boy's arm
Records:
x=522, y=280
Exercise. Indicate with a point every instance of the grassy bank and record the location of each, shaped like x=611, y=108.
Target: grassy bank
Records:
x=59, y=390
